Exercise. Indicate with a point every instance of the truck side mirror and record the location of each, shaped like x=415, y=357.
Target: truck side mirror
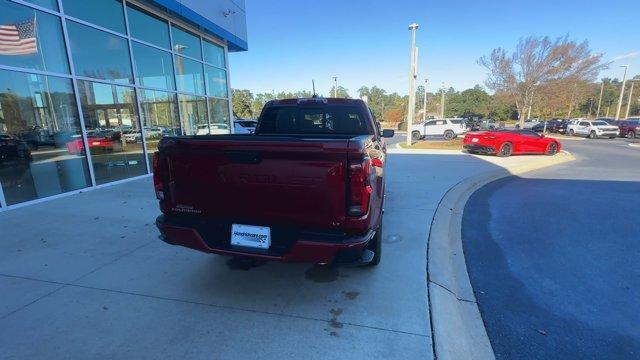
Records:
x=388, y=133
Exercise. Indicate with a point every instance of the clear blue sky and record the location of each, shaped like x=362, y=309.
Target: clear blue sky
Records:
x=367, y=42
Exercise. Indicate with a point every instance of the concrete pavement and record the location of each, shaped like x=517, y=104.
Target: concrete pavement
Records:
x=553, y=256
x=84, y=276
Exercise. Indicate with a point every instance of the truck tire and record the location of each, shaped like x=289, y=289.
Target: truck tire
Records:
x=415, y=135
x=375, y=245
x=572, y=133
x=449, y=135
x=505, y=150
x=592, y=135
x=631, y=134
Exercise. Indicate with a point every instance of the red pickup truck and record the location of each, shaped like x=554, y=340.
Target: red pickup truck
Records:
x=307, y=186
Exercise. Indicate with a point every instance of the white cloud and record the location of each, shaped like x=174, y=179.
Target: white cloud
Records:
x=630, y=55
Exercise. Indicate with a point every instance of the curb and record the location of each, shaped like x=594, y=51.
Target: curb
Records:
x=570, y=138
x=457, y=327
x=397, y=149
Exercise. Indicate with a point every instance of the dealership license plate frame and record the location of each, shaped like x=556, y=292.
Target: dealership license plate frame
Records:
x=251, y=236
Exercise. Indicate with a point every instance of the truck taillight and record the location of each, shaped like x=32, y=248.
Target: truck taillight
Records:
x=157, y=176
x=359, y=187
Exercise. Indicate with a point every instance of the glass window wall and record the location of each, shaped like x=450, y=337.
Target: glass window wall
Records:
x=31, y=39
x=98, y=54
x=160, y=118
x=42, y=146
x=186, y=43
x=154, y=68
x=213, y=54
x=219, y=116
x=189, y=77
x=40, y=137
x=216, y=81
x=49, y=4
x=148, y=28
x=113, y=131
x=193, y=115
x=105, y=13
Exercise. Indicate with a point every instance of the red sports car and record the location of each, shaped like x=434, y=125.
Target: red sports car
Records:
x=510, y=142
x=98, y=143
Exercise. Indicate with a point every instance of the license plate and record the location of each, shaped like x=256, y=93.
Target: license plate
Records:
x=258, y=237
x=474, y=140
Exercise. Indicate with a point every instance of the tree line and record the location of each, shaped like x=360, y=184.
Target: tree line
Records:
x=542, y=78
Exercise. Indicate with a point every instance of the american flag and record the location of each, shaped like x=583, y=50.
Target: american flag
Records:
x=18, y=39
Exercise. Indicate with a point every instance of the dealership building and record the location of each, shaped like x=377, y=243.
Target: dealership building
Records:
x=88, y=88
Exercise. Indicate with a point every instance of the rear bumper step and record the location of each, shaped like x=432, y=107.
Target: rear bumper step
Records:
x=299, y=246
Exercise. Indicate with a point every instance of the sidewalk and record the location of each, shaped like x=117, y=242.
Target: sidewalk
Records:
x=85, y=277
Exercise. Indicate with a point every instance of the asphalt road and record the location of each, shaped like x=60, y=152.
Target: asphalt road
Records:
x=554, y=257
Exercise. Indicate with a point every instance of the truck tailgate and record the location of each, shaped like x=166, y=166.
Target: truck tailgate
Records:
x=268, y=182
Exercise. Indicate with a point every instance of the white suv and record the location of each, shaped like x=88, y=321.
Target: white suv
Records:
x=529, y=124
x=449, y=128
x=592, y=129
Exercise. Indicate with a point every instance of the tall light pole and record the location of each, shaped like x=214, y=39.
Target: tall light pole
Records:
x=442, y=103
x=624, y=83
x=424, y=103
x=633, y=81
x=335, y=86
x=600, y=100
x=412, y=82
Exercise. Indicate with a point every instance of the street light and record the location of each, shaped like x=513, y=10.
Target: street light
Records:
x=624, y=82
x=412, y=82
x=442, y=103
x=335, y=86
x=633, y=81
x=424, y=104
x=600, y=100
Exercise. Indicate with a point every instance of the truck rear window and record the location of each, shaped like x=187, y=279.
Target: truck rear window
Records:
x=328, y=119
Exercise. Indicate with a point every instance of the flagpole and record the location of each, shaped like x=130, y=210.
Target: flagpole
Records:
x=39, y=49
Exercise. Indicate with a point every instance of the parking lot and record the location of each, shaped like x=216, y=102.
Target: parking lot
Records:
x=552, y=256
x=92, y=261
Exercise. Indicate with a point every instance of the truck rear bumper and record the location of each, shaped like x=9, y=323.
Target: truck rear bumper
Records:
x=306, y=247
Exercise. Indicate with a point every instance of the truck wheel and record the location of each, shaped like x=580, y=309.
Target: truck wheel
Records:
x=449, y=135
x=415, y=135
x=592, y=135
x=631, y=135
x=375, y=245
x=572, y=133
x=505, y=150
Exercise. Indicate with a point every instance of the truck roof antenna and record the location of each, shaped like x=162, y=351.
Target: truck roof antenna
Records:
x=313, y=84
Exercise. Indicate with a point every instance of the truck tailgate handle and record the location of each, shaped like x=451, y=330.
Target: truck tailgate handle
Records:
x=243, y=157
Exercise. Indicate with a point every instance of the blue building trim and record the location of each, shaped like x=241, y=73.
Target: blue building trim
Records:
x=177, y=9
